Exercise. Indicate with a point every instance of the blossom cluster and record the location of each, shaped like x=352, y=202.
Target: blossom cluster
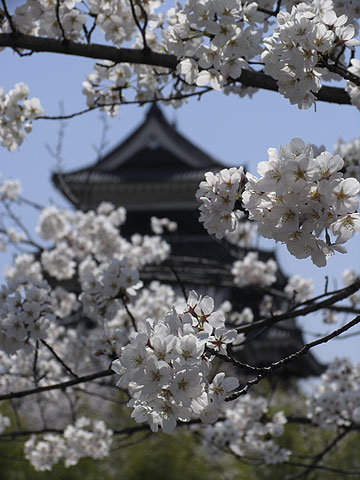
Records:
x=350, y=153
x=17, y=111
x=336, y=401
x=350, y=8
x=244, y=232
x=245, y=316
x=10, y=189
x=217, y=196
x=25, y=269
x=107, y=85
x=244, y=431
x=306, y=39
x=4, y=422
x=159, y=225
x=40, y=18
x=84, y=439
x=299, y=196
x=18, y=372
x=26, y=311
x=153, y=300
x=165, y=366
x=63, y=302
x=69, y=20
x=89, y=245
x=214, y=40
x=92, y=238
x=252, y=271
x=102, y=294
x=299, y=289
x=353, y=89
x=117, y=23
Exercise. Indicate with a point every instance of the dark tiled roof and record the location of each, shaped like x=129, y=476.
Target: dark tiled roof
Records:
x=95, y=176
x=154, y=152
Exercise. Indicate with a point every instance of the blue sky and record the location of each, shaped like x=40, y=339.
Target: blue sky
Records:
x=236, y=131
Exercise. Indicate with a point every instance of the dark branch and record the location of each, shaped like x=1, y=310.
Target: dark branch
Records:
x=344, y=293
x=126, y=102
x=248, y=78
x=57, y=10
x=57, y=386
x=132, y=318
x=8, y=16
x=236, y=363
x=138, y=24
x=284, y=361
x=94, y=50
x=60, y=360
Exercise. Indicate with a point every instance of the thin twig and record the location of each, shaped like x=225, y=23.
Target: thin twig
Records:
x=305, y=473
x=344, y=293
x=17, y=222
x=133, y=320
x=276, y=365
x=236, y=363
x=34, y=368
x=57, y=386
x=62, y=363
x=138, y=24
x=99, y=395
x=124, y=102
x=325, y=468
x=9, y=17
x=57, y=10
x=182, y=286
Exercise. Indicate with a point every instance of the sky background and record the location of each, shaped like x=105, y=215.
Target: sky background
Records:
x=237, y=131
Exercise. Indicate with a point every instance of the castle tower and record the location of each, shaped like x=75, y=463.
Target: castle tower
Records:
x=156, y=172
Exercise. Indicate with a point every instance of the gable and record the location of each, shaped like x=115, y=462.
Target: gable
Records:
x=156, y=134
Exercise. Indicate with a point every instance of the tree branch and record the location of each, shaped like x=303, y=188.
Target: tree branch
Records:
x=344, y=293
x=94, y=50
x=284, y=361
x=236, y=363
x=60, y=360
x=57, y=386
x=326, y=468
x=248, y=78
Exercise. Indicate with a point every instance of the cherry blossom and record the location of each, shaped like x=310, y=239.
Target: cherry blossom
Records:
x=83, y=439
x=335, y=402
x=299, y=196
x=218, y=195
x=75, y=303
x=252, y=271
x=10, y=190
x=166, y=371
x=299, y=289
x=243, y=432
